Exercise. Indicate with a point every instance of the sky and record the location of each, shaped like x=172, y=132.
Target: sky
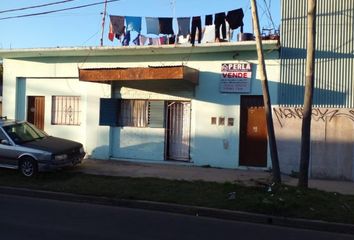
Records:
x=83, y=26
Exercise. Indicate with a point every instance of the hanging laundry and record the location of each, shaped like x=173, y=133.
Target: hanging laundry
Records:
x=133, y=24
x=220, y=22
x=235, y=18
x=152, y=25
x=209, y=34
x=116, y=26
x=166, y=25
x=196, y=24
x=172, y=39
x=142, y=40
x=163, y=40
x=208, y=20
x=126, y=39
x=136, y=41
x=111, y=34
x=184, y=26
x=182, y=40
x=155, y=41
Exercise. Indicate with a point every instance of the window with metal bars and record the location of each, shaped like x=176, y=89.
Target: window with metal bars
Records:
x=66, y=110
x=132, y=113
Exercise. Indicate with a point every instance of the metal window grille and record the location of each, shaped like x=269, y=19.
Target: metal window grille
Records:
x=66, y=110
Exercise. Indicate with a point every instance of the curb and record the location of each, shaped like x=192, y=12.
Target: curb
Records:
x=188, y=210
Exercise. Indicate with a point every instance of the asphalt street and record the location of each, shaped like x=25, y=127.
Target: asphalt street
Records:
x=34, y=218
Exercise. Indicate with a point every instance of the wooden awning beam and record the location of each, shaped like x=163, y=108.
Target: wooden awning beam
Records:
x=181, y=73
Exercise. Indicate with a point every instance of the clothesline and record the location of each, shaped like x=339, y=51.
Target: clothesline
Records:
x=123, y=25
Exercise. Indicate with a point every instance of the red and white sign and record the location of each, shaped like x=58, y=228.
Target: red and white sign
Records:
x=235, y=77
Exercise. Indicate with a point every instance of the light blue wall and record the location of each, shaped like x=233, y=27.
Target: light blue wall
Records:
x=57, y=76
x=214, y=145
x=211, y=145
x=138, y=143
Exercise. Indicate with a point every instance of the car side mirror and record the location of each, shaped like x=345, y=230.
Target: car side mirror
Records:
x=4, y=142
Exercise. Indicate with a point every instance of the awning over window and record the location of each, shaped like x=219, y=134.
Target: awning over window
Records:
x=161, y=73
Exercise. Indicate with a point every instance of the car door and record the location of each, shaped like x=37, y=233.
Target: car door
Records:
x=8, y=153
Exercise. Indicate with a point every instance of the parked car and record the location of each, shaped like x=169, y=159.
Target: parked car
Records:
x=25, y=147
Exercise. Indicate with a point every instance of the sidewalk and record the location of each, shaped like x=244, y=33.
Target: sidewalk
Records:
x=191, y=173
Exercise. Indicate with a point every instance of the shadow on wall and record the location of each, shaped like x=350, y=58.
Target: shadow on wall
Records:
x=100, y=152
x=152, y=151
x=178, y=88
x=330, y=67
x=282, y=114
x=328, y=160
x=332, y=141
x=208, y=90
x=287, y=93
x=332, y=156
x=332, y=159
x=208, y=149
x=300, y=53
x=293, y=95
x=144, y=151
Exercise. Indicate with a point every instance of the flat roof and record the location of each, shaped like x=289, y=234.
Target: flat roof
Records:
x=136, y=50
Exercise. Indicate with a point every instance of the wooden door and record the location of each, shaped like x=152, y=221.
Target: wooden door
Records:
x=178, y=130
x=253, y=132
x=35, y=111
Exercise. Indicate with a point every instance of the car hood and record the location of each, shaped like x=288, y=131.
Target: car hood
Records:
x=53, y=144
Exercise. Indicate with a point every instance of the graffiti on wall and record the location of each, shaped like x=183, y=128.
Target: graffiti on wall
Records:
x=318, y=114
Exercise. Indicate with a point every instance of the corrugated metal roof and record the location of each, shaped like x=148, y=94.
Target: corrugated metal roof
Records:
x=334, y=53
x=140, y=74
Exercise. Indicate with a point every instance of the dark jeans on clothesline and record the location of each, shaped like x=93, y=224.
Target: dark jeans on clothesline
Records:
x=220, y=21
x=196, y=24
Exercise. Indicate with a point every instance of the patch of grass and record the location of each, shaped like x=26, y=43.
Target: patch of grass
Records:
x=280, y=201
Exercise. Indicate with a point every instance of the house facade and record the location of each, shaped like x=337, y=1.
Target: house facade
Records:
x=197, y=105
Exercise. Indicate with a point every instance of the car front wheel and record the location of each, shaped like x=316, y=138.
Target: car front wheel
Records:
x=28, y=167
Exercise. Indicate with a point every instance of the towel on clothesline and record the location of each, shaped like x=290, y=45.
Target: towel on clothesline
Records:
x=184, y=26
x=166, y=25
x=152, y=25
x=133, y=23
x=235, y=18
x=117, y=25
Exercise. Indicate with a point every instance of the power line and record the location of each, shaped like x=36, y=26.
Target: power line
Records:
x=268, y=12
x=58, y=10
x=35, y=6
x=90, y=37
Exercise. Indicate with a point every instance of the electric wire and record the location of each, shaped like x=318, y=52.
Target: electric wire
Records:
x=269, y=14
x=58, y=10
x=91, y=37
x=35, y=6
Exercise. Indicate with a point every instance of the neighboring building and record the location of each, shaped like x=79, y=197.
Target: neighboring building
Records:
x=332, y=133
x=197, y=105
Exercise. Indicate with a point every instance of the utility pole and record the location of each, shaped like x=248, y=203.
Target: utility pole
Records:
x=103, y=20
x=309, y=86
x=266, y=96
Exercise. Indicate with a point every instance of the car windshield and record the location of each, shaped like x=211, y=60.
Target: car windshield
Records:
x=23, y=132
